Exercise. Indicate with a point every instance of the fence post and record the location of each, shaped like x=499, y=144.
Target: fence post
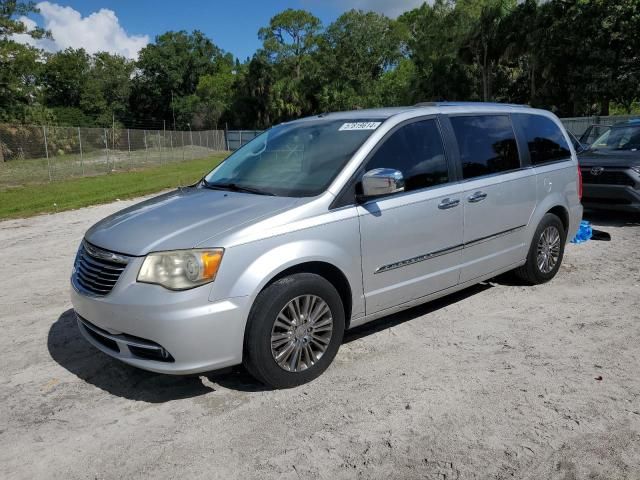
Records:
x=206, y=137
x=226, y=135
x=81, y=156
x=106, y=146
x=46, y=150
x=199, y=139
x=182, y=145
x=160, y=147
x=129, y=148
x=171, y=143
x=146, y=150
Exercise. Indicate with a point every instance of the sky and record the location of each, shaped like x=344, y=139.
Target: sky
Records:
x=126, y=26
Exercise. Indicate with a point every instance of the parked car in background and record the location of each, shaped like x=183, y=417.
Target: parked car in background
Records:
x=323, y=224
x=593, y=132
x=578, y=146
x=611, y=169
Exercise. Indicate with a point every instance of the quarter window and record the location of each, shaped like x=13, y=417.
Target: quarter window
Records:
x=415, y=150
x=487, y=144
x=545, y=140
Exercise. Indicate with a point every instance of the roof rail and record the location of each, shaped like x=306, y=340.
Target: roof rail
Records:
x=467, y=104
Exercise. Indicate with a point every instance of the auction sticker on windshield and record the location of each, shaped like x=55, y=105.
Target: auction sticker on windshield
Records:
x=360, y=126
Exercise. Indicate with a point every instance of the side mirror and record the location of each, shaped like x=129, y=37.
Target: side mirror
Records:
x=382, y=181
x=581, y=147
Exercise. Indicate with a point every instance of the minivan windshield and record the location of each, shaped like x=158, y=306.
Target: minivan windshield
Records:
x=298, y=159
x=625, y=137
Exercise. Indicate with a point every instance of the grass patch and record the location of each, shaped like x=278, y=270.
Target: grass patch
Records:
x=74, y=193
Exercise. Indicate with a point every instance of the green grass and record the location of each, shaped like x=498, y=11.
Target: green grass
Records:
x=68, y=194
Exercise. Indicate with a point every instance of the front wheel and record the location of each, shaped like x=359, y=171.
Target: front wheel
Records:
x=294, y=330
x=545, y=253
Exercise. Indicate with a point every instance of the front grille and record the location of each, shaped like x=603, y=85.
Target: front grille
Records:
x=607, y=177
x=96, y=270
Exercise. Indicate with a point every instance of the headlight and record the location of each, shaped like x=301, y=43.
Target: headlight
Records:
x=636, y=168
x=181, y=269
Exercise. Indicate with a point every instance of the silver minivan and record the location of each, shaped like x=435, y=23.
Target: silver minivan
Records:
x=323, y=224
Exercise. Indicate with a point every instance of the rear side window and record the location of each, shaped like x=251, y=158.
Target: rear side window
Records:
x=415, y=150
x=545, y=140
x=487, y=144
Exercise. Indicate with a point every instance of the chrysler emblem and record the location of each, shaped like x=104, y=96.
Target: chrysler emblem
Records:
x=595, y=171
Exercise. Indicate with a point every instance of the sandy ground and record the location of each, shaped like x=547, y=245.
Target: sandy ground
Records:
x=498, y=381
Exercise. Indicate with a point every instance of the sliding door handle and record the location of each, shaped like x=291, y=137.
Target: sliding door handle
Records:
x=476, y=197
x=448, y=203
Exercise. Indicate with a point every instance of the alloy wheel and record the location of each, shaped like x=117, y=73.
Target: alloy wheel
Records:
x=301, y=333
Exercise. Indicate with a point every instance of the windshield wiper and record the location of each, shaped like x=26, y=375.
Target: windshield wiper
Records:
x=234, y=187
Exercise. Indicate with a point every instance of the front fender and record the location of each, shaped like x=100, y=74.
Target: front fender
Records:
x=247, y=269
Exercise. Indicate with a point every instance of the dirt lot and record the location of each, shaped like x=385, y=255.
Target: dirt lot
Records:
x=499, y=381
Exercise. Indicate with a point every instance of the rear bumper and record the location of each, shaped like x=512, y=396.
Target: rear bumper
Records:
x=611, y=197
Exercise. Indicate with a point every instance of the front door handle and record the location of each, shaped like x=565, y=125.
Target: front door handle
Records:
x=448, y=203
x=477, y=197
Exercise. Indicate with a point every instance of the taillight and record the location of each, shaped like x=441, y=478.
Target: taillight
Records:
x=579, y=183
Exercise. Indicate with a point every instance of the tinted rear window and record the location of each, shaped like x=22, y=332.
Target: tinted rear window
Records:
x=487, y=144
x=544, y=138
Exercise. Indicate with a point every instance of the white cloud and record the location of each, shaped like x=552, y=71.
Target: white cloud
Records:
x=97, y=32
x=391, y=8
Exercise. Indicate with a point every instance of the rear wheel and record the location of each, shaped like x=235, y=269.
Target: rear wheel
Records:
x=294, y=330
x=546, y=251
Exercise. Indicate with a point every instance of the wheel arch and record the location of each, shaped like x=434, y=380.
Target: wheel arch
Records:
x=555, y=204
x=329, y=272
x=563, y=214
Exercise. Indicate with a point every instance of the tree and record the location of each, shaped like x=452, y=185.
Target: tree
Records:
x=290, y=38
x=435, y=35
x=110, y=82
x=356, y=51
x=19, y=73
x=484, y=46
x=10, y=25
x=251, y=106
x=170, y=69
x=215, y=93
x=19, y=65
x=64, y=77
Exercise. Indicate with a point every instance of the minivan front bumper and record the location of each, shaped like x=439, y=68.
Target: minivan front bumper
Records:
x=163, y=331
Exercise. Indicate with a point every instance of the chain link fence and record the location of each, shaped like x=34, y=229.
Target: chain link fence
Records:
x=578, y=125
x=36, y=154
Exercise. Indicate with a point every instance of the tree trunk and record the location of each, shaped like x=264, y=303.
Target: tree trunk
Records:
x=533, y=83
x=485, y=76
x=604, y=106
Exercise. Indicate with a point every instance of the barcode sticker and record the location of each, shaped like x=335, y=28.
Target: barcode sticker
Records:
x=360, y=126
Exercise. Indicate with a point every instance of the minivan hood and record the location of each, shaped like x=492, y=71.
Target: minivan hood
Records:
x=609, y=158
x=182, y=219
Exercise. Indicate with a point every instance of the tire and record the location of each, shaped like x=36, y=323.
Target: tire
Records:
x=289, y=313
x=535, y=270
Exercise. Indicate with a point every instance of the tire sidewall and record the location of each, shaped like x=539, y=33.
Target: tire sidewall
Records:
x=547, y=221
x=258, y=357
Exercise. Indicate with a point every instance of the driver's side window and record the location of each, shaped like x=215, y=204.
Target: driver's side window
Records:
x=416, y=151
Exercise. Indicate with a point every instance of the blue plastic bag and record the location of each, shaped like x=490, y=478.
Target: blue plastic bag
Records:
x=584, y=232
